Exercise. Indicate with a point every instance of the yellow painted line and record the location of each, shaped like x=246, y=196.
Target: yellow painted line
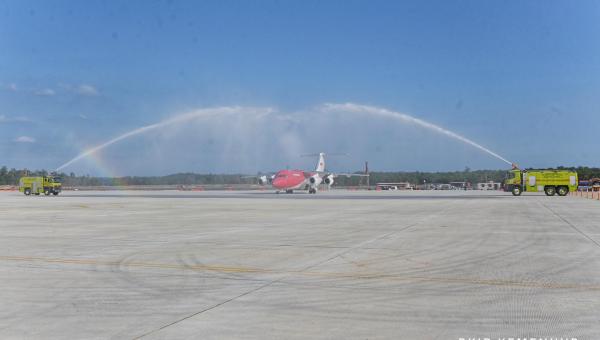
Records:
x=333, y=275
x=226, y=269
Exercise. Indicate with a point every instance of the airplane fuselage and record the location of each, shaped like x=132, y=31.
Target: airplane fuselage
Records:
x=290, y=180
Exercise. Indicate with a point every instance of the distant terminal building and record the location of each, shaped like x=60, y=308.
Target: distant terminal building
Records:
x=394, y=186
x=491, y=185
x=585, y=185
x=425, y=186
x=460, y=185
x=592, y=184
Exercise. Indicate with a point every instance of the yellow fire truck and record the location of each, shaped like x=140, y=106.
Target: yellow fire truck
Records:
x=41, y=184
x=549, y=181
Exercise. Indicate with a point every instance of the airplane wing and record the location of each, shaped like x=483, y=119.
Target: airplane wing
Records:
x=262, y=178
x=349, y=175
x=323, y=174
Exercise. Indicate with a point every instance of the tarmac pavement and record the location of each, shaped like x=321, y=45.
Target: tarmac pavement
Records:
x=336, y=265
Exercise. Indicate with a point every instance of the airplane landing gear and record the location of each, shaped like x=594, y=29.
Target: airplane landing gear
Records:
x=312, y=191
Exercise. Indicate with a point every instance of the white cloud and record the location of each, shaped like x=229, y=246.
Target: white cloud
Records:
x=25, y=139
x=81, y=89
x=86, y=90
x=44, y=92
x=5, y=119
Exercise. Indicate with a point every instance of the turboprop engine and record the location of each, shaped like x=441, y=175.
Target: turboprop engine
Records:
x=315, y=180
x=328, y=180
x=262, y=180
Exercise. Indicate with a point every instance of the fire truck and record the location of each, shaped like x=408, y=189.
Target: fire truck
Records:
x=40, y=185
x=550, y=182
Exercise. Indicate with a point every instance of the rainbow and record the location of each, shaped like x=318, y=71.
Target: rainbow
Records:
x=105, y=169
x=201, y=113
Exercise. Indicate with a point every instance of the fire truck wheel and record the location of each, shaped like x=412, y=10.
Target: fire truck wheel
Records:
x=562, y=191
x=516, y=190
x=550, y=190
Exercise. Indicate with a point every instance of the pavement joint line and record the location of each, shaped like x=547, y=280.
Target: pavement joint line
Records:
x=571, y=225
x=377, y=238
x=205, y=310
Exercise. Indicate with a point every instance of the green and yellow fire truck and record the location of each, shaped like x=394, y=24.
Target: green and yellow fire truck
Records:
x=549, y=181
x=41, y=184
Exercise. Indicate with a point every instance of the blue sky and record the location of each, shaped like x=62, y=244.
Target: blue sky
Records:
x=520, y=77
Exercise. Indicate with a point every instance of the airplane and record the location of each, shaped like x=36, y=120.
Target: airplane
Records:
x=290, y=180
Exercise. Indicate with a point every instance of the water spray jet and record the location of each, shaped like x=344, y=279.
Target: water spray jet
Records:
x=202, y=113
x=259, y=113
x=357, y=108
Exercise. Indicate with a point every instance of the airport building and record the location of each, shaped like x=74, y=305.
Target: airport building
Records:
x=491, y=185
x=460, y=185
x=394, y=186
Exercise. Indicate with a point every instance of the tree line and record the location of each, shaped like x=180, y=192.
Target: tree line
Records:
x=11, y=177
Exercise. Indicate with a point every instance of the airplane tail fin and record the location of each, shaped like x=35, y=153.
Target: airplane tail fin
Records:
x=321, y=164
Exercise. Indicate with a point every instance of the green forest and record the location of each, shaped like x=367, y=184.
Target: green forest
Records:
x=11, y=177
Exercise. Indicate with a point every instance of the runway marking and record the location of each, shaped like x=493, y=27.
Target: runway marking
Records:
x=332, y=275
